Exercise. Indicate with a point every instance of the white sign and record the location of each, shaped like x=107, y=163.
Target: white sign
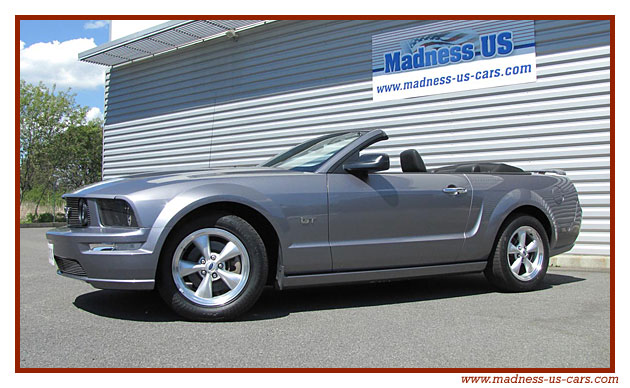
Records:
x=429, y=60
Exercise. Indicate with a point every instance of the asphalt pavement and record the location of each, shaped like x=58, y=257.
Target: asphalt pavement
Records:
x=448, y=321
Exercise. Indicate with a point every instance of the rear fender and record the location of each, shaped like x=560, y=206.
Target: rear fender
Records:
x=481, y=239
x=512, y=201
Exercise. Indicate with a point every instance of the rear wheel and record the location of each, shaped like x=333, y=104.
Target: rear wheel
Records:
x=521, y=256
x=212, y=268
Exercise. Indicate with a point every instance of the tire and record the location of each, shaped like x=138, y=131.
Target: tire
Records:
x=222, y=286
x=510, y=272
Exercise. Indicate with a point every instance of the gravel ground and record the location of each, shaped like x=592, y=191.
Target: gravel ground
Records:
x=449, y=321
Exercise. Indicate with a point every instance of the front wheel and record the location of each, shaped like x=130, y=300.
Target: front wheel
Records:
x=521, y=256
x=212, y=268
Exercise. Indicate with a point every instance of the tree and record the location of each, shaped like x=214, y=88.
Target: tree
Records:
x=57, y=144
x=44, y=114
x=80, y=159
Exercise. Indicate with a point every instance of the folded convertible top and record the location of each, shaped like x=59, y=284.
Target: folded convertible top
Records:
x=480, y=167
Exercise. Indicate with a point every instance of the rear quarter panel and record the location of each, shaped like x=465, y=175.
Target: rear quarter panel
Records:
x=496, y=197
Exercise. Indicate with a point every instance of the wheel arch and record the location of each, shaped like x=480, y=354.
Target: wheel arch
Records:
x=533, y=211
x=254, y=217
x=519, y=201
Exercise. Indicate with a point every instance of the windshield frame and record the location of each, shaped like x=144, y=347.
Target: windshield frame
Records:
x=273, y=162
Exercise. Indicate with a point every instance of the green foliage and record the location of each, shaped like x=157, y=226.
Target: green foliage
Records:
x=45, y=217
x=59, y=149
x=81, y=157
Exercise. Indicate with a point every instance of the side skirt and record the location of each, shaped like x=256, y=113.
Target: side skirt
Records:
x=333, y=278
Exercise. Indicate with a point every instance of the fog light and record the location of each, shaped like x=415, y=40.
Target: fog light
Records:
x=103, y=247
x=127, y=246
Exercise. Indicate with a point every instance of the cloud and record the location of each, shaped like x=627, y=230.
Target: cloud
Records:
x=93, y=113
x=95, y=24
x=57, y=63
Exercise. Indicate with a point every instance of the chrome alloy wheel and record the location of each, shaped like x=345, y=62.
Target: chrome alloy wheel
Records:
x=210, y=267
x=525, y=253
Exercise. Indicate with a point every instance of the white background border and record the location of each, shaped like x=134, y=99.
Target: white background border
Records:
x=141, y=7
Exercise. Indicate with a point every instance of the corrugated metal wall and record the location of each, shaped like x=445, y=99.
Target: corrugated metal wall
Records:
x=225, y=103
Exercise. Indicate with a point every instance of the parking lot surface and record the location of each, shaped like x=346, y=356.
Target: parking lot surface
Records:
x=449, y=321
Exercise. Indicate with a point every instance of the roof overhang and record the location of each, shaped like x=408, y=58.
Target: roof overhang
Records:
x=163, y=38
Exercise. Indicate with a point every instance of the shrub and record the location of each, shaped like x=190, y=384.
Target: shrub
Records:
x=45, y=217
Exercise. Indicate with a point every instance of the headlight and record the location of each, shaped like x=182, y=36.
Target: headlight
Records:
x=116, y=212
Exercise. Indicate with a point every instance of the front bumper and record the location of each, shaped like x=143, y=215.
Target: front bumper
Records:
x=107, y=269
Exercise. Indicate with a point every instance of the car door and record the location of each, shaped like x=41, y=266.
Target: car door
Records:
x=389, y=220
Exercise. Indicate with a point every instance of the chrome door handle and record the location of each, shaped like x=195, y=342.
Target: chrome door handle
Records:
x=455, y=190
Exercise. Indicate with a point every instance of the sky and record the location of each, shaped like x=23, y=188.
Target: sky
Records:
x=48, y=53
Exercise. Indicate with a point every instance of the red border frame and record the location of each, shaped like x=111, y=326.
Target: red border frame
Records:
x=611, y=369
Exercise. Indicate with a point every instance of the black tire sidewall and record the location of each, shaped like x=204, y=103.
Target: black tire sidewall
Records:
x=255, y=282
x=501, y=275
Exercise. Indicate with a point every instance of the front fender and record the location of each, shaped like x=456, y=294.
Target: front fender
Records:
x=190, y=200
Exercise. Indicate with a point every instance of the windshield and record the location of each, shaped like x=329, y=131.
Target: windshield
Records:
x=311, y=155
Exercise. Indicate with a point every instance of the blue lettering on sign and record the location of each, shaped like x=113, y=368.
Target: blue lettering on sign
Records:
x=496, y=44
x=490, y=45
x=468, y=52
x=504, y=41
x=392, y=62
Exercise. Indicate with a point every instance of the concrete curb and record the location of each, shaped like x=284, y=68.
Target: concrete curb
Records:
x=43, y=225
x=574, y=261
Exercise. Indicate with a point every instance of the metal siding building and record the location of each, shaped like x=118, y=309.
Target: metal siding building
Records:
x=222, y=103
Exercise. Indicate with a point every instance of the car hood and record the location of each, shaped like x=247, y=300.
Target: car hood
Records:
x=178, y=181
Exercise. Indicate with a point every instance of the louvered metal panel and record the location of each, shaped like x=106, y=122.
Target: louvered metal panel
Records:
x=157, y=40
x=227, y=103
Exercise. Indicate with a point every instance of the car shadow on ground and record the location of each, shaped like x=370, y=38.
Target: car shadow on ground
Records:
x=147, y=306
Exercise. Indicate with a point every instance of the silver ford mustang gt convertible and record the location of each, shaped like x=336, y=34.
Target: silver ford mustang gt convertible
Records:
x=325, y=212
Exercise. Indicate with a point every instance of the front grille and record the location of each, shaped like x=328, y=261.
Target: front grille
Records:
x=69, y=266
x=72, y=212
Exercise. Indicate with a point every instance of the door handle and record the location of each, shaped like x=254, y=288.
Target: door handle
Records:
x=455, y=190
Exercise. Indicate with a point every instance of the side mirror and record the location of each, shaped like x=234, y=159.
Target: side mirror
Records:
x=368, y=163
